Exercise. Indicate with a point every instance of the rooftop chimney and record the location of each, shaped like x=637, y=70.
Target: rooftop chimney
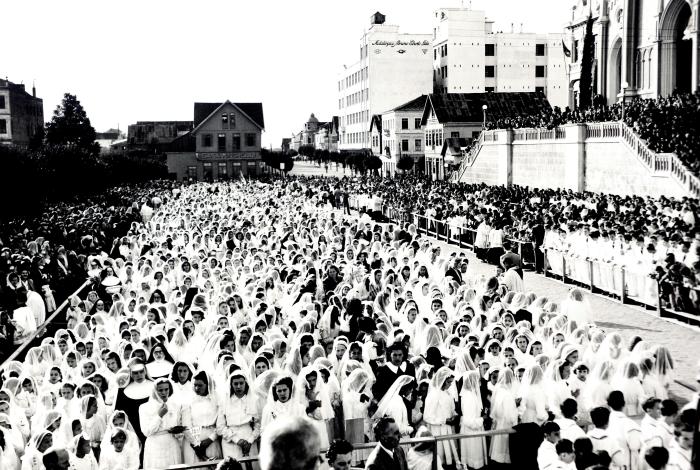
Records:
x=33, y=89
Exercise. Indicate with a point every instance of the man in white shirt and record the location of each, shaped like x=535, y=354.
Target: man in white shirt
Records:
x=650, y=426
x=622, y=428
x=547, y=452
x=565, y=457
x=681, y=451
x=602, y=440
x=570, y=430
x=669, y=411
x=511, y=278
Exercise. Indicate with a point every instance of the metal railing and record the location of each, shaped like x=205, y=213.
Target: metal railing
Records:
x=246, y=462
x=41, y=330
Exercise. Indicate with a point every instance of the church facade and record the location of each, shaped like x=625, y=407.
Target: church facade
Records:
x=643, y=48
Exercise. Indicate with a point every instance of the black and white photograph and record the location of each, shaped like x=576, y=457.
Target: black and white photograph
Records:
x=323, y=235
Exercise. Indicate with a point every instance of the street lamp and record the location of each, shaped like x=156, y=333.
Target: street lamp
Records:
x=483, y=125
x=624, y=88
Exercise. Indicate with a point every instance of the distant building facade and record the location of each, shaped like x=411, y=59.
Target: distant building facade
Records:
x=21, y=114
x=393, y=68
x=156, y=135
x=109, y=138
x=225, y=143
x=402, y=134
x=652, y=46
x=469, y=57
x=460, y=117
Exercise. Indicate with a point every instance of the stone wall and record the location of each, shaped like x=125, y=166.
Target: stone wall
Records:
x=578, y=158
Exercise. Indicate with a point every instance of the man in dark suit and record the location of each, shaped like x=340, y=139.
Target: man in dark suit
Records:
x=395, y=367
x=513, y=257
x=387, y=455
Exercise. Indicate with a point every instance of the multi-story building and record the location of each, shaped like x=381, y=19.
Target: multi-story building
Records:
x=225, y=143
x=326, y=137
x=469, y=57
x=393, y=68
x=646, y=48
x=21, y=114
x=402, y=134
x=460, y=117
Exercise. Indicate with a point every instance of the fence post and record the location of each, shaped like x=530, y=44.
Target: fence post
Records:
x=590, y=274
x=623, y=292
x=460, y=241
x=563, y=268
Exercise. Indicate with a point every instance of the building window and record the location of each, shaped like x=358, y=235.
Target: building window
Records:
x=574, y=53
x=208, y=173
x=236, y=142
x=489, y=71
x=489, y=50
x=250, y=140
x=232, y=120
x=539, y=50
x=221, y=170
x=416, y=123
x=539, y=71
x=221, y=142
x=435, y=54
x=418, y=145
x=224, y=121
x=444, y=53
x=2, y=101
x=490, y=89
x=404, y=123
x=3, y=126
x=192, y=172
x=206, y=140
x=539, y=89
x=454, y=135
x=404, y=145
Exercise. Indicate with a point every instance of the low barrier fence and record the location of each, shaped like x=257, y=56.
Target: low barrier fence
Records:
x=432, y=442
x=50, y=325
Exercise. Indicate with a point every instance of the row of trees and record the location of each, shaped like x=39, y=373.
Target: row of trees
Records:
x=65, y=162
x=361, y=162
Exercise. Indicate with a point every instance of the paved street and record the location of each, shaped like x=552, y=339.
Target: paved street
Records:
x=311, y=169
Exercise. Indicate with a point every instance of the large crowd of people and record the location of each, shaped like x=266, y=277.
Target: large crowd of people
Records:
x=666, y=124
x=220, y=308
x=657, y=241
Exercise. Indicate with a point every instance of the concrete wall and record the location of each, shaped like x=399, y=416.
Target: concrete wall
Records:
x=570, y=161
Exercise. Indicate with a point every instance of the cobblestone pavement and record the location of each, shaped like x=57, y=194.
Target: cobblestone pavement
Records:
x=683, y=341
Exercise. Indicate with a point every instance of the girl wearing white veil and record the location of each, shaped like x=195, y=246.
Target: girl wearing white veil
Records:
x=393, y=406
x=440, y=413
x=280, y=401
x=199, y=416
x=118, y=451
x=533, y=404
x=473, y=450
x=628, y=381
x=161, y=420
x=239, y=417
x=597, y=387
x=119, y=420
x=504, y=412
x=356, y=397
x=311, y=394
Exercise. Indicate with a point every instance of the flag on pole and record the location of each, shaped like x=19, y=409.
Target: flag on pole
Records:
x=567, y=51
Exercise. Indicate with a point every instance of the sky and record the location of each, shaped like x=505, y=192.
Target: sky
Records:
x=142, y=60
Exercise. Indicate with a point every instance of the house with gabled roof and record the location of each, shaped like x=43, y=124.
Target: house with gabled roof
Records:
x=224, y=143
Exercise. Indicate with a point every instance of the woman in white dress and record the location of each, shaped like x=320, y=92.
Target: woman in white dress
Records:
x=533, y=399
x=440, y=413
x=280, y=402
x=311, y=394
x=473, y=450
x=32, y=459
x=199, y=415
x=238, y=422
x=504, y=412
x=161, y=424
x=393, y=404
x=80, y=454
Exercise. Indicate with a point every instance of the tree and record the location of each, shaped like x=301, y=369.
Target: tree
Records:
x=373, y=163
x=71, y=127
x=405, y=163
x=586, y=83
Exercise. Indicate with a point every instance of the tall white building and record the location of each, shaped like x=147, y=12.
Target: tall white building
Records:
x=469, y=57
x=394, y=68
